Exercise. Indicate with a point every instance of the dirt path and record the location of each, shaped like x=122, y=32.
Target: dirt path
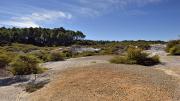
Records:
x=170, y=72
x=170, y=65
x=10, y=93
x=77, y=62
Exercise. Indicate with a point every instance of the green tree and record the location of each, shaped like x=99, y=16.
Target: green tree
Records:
x=40, y=36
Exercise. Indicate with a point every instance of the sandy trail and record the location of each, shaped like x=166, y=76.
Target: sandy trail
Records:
x=77, y=62
x=10, y=93
x=170, y=65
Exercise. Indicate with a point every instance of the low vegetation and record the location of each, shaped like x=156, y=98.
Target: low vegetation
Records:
x=136, y=56
x=56, y=56
x=173, y=47
x=86, y=53
x=4, y=60
x=25, y=65
x=25, y=48
x=32, y=86
x=43, y=55
x=175, y=50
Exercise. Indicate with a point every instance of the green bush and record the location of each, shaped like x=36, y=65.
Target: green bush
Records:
x=118, y=60
x=144, y=46
x=172, y=44
x=25, y=65
x=175, y=50
x=4, y=60
x=42, y=55
x=156, y=59
x=56, y=56
x=136, y=56
x=67, y=54
x=149, y=61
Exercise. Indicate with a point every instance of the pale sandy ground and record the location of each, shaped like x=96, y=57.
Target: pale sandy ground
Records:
x=15, y=93
x=160, y=83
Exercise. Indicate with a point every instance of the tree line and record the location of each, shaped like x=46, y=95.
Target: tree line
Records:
x=125, y=42
x=58, y=37
x=40, y=36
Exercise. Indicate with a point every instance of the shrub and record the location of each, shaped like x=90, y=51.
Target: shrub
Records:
x=5, y=58
x=156, y=59
x=21, y=47
x=25, y=65
x=56, y=56
x=171, y=44
x=175, y=50
x=42, y=55
x=136, y=56
x=149, y=61
x=67, y=54
x=118, y=60
x=144, y=46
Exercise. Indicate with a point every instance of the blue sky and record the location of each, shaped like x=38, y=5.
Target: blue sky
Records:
x=98, y=19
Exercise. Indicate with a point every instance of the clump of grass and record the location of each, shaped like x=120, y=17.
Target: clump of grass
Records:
x=32, y=87
x=136, y=56
x=93, y=62
x=122, y=60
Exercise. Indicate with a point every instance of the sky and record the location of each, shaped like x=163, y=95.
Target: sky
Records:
x=98, y=19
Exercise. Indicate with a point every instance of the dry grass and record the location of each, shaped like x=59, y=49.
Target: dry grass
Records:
x=107, y=82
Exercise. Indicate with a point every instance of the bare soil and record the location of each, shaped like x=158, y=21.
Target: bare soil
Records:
x=95, y=79
x=109, y=82
x=102, y=81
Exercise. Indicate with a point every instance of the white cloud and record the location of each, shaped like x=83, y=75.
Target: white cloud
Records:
x=119, y=3
x=45, y=16
x=33, y=19
x=97, y=7
x=31, y=16
x=19, y=24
